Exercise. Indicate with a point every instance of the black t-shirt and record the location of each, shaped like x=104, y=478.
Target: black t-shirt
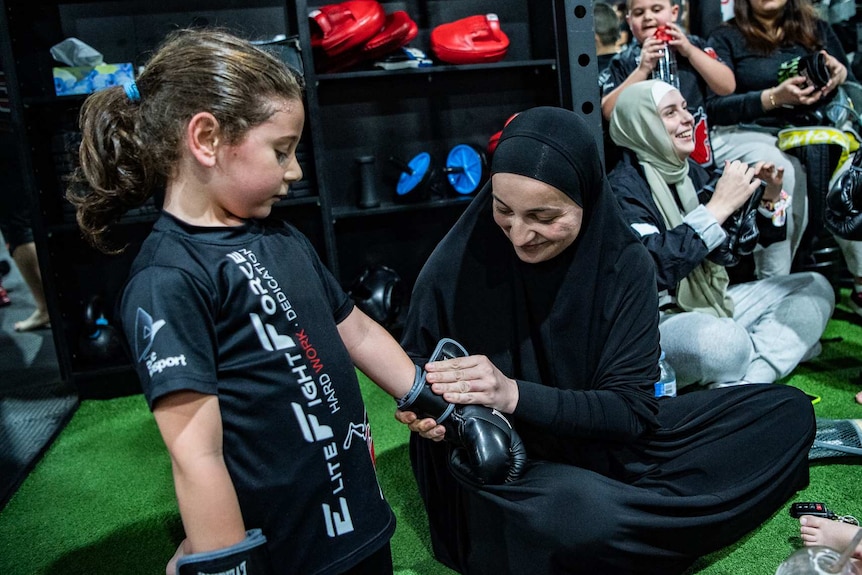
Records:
x=692, y=86
x=250, y=314
x=757, y=72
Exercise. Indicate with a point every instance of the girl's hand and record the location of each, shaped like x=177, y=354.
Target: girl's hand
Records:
x=774, y=178
x=171, y=567
x=472, y=380
x=837, y=72
x=427, y=427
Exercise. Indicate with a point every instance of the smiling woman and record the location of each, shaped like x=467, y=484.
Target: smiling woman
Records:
x=539, y=220
x=766, y=327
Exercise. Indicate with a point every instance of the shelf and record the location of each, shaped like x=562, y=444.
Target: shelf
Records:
x=436, y=69
x=343, y=213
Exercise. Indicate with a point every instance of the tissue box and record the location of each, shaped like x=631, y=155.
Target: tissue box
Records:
x=86, y=79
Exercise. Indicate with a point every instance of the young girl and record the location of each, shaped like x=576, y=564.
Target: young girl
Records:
x=244, y=343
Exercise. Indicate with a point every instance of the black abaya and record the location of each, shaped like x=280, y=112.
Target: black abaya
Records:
x=617, y=482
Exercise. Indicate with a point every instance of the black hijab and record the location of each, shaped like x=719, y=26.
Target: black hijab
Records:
x=580, y=331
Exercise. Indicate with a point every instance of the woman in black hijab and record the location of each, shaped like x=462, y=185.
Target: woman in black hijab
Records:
x=562, y=306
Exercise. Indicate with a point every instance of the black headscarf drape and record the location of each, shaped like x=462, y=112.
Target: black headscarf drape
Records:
x=579, y=331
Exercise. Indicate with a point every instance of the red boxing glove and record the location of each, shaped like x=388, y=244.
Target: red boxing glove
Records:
x=471, y=40
x=398, y=30
x=495, y=137
x=336, y=28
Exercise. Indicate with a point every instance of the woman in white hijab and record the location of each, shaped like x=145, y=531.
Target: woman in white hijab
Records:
x=712, y=333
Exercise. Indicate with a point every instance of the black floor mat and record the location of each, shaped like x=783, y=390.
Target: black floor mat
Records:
x=29, y=421
x=34, y=404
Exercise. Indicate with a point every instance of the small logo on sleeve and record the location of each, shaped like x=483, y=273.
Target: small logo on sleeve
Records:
x=145, y=333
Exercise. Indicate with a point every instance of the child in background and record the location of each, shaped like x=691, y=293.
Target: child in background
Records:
x=607, y=32
x=244, y=342
x=697, y=66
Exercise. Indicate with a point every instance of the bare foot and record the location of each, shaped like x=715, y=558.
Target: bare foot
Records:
x=829, y=533
x=37, y=320
x=859, y=397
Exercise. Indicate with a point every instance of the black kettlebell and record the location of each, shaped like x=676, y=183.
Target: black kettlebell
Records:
x=99, y=342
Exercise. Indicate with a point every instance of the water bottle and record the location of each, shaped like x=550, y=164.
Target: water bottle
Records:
x=666, y=384
x=665, y=68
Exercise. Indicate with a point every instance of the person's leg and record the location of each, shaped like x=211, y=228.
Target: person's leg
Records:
x=5, y=268
x=852, y=252
x=829, y=533
x=704, y=349
x=730, y=143
x=785, y=317
x=28, y=264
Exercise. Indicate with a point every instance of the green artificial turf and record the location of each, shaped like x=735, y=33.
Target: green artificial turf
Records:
x=101, y=499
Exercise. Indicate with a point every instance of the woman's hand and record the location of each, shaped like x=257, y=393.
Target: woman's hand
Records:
x=472, y=380
x=427, y=427
x=773, y=177
x=795, y=91
x=733, y=189
x=837, y=72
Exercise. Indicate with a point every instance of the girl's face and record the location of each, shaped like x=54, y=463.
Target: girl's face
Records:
x=767, y=8
x=256, y=172
x=678, y=122
x=539, y=220
x=646, y=15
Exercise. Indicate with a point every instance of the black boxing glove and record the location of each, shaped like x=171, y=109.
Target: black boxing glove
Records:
x=486, y=449
x=742, y=233
x=843, y=213
x=811, y=66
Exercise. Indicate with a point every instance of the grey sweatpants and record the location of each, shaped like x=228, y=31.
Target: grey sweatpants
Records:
x=751, y=146
x=776, y=322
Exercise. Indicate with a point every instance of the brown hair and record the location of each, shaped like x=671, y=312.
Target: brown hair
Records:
x=797, y=25
x=606, y=23
x=130, y=146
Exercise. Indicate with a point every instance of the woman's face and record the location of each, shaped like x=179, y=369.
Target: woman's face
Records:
x=539, y=220
x=678, y=122
x=767, y=8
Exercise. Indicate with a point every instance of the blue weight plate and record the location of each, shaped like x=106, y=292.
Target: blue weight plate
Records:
x=420, y=164
x=468, y=168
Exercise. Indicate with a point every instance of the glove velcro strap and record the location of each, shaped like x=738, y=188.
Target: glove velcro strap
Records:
x=250, y=557
x=424, y=402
